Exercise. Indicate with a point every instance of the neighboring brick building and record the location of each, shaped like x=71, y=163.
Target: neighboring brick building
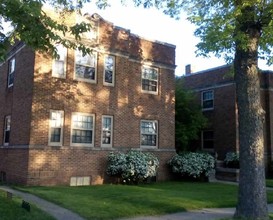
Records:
x=61, y=118
x=216, y=92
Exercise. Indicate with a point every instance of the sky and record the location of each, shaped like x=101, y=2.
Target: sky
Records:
x=153, y=24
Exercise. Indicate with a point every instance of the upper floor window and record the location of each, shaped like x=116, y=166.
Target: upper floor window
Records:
x=59, y=64
x=7, y=130
x=207, y=139
x=149, y=80
x=56, y=128
x=207, y=100
x=85, y=67
x=109, y=70
x=11, y=72
x=82, y=133
x=148, y=132
x=107, y=131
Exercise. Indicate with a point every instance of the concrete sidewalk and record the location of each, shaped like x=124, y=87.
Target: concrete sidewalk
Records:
x=204, y=214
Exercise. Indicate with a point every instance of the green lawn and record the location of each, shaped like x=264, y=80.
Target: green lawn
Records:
x=117, y=201
x=11, y=210
x=269, y=182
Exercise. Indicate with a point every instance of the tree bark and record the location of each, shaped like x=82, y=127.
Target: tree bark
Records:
x=252, y=200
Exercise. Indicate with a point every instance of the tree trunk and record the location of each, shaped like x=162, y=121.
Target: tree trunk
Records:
x=252, y=201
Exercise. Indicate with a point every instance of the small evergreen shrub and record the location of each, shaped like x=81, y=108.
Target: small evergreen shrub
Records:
x=133, y=167
x=192, y=164
x=232, y=160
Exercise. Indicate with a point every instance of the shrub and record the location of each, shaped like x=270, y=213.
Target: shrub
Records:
x=232, y=160
x=133, y=167
x=192, y=164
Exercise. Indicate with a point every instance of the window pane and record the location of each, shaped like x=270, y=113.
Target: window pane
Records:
x=59, y=68
x=12, y=65
x=148, y=127
x=85, y=122
x=208, y=139
x=149, y=79
x=61, y=50
x=7, y=134
x=81, y=136
x=108, y=76
x=55, y=135
x=85, y=72
x=148, y=140
x=106, y=137
x=7, y=123
x=87, y=60
x=109, y=63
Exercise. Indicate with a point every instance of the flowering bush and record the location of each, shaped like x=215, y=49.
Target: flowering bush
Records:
x=232, y=160
x=192, y=164
x=133, y=167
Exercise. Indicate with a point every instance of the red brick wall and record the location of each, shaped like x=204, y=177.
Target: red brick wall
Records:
x=223, y=118
x=16, y=101
x=36, y=92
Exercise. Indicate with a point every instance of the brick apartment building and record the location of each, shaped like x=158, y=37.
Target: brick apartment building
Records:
x=216, y=92
x=62, y=117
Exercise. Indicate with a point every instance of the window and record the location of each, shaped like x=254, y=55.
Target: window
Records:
x=7, y=130
x=207, y=100
x=56, y=128
x=207, y=139
x=107, y=131
x=109, y=70
x=148, y=131
x=82, y=133
x=150, y=80
x=11, y=72
x=85, y=67
x=59, y=65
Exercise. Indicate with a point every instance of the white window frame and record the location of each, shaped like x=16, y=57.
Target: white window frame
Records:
x=204, y=100
x=7, y=128
x=94, y=59
x=62, y=52
x=52, y=125
x=110, y=130
x=152, y=80
x=202, y=139
x=106, y=68
x=11, y=71
x=80, y=128
x=156, y=134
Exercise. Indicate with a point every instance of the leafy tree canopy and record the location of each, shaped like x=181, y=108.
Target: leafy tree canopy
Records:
x=189, y=119
x=218, y=23
x=31, y=24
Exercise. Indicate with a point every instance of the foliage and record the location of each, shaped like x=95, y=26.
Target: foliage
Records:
x=133, y=167
x=31, y=24
x=192, y=164
x=232, y=160
x=189, y=119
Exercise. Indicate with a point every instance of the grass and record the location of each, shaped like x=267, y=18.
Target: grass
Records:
x=121, y=201
x=269, y=182
x=11, y=209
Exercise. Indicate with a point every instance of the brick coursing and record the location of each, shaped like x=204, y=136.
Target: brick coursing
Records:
x=223, y=119
x=30, y=160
